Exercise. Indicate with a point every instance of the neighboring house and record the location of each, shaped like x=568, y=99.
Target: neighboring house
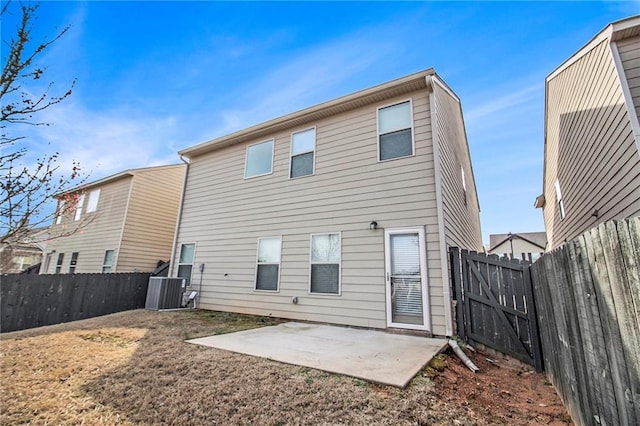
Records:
x=122, y=223
x=592, y=135
x=19, y=254
x=523, y=245
x=338, y=213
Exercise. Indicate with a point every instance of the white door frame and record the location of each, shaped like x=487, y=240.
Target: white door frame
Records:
x=426, y=312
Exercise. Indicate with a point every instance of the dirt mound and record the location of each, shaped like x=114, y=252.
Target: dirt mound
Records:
x=501, y=390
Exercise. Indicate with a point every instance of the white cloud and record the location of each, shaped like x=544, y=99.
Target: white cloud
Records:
x=519, y=98
x=105, y=142
x=319, y=74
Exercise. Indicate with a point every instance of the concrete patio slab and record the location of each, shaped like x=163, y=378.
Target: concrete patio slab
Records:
x=375, y=356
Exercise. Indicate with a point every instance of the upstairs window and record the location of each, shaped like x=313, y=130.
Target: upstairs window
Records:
x=59, y=263
x=73, y=263
x=94, y=196
x=395, y=131
x=325, y=263
x=60, y=212
x=107, y=263
x=303, y=146
x=464, y=185
x=259, y=160
x=559, y=201
x=185, y=263
x=47, y=262
x=268, y=263
x=79, y=204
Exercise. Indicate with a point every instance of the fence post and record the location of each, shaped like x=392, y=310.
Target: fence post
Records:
x=532, y=317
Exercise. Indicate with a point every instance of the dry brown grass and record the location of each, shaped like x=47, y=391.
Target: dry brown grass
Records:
x=134, y=368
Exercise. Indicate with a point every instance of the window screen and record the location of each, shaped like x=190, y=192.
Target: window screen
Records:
x=325, y=263
x=107, y=263
x=59, y=263
x=259, y=159
x=73, y=263
x=303, y=145
x=94, y=196
x=268, y=263
x=79, y=204
x=395, y=131
x=185, y=263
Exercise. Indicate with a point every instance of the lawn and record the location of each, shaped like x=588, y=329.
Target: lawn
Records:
x=134, y=368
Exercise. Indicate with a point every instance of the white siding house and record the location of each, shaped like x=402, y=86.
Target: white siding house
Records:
x=338, y=213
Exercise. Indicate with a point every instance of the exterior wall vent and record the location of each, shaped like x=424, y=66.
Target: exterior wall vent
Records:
x=164, y=293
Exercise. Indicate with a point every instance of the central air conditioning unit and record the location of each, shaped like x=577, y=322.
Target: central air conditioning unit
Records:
x=164, y=293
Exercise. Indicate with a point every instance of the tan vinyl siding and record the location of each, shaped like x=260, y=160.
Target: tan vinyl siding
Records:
x=151, y=218
x=629, y=51
x=224, y=214
x=97, y=232
x=461, y=214
x=590, y=147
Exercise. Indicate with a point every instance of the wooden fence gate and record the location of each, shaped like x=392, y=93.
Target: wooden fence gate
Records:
x=495, y=305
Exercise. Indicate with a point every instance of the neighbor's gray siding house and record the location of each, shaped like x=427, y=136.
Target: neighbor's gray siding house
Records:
x=338, y=213
x=592, y=135
x=122, y=223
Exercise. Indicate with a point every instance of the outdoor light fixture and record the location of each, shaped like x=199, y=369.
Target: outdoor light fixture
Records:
x=373, y=225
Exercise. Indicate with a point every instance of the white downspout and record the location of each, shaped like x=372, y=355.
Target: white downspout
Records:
x=446, y=279
x=179, y=219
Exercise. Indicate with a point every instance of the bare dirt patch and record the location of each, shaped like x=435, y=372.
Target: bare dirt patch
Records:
x=508, y=393
x=134, y=368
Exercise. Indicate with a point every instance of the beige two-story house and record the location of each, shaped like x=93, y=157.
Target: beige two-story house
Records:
x=122, y=223
x=592, y=135
x=338, y=213
x=522, y=245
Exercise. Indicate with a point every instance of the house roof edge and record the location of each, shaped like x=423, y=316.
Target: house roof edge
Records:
x=324, y=109
x=115, y=177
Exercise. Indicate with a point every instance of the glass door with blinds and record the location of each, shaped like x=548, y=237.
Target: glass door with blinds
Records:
x=406, y=283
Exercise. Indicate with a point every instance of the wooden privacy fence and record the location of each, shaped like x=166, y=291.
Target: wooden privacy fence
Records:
x=588, y=300
x=495, y=305
x=28, y=301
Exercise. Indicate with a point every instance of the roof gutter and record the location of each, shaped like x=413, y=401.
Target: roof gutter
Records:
x=326, y=109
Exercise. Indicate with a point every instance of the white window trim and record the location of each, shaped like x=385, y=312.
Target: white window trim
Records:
x=426, y=308
x=246, y=157
x=193, y=262
x=71, y=265
x=339, y=293
x=79, y=204
x=90, y=206
x=61, y=206
x=464, y=181
x=59, y=263
x=113, y=261
x=413, y=139
x=560, y=201
x=315, y=145
x=255, y=277
x=47, y=263
x=464, y=185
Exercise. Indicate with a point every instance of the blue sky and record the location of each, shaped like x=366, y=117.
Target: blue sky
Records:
x=156, y=77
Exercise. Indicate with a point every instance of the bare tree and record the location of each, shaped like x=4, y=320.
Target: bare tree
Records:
x=27, y=183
